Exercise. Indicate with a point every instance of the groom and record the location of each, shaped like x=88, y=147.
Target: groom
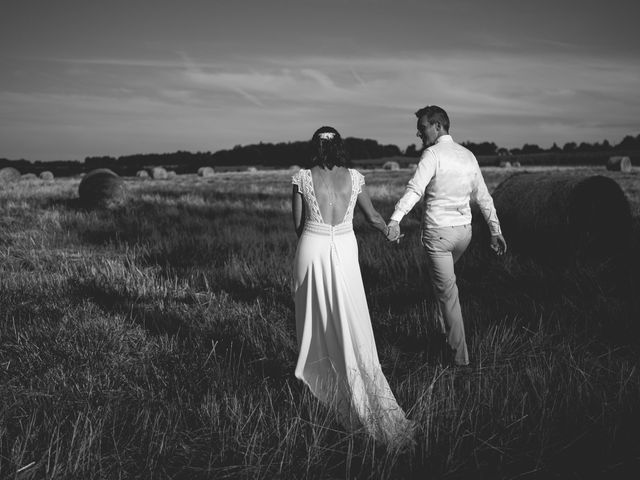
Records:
x=449, y=177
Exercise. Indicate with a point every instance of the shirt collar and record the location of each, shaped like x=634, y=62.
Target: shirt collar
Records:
x=444, y=138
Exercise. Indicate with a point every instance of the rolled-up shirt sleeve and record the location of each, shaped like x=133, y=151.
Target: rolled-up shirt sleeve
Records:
x=416, y=186
x=482, y=197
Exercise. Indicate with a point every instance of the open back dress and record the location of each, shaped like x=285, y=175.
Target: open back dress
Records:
x=338, y=359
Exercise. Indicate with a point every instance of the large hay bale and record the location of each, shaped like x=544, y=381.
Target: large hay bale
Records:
x=46, y=175
x=505, y=164
x=563, y=217
x=619, y=164
x=158, y=173
x=171, y=174
x=142, y=174
x=101, y=188
x=29, y=176
x=294, y=168
x=9, y=174
x=516, y=164
x=206, y=172
x=252, y=169
x=391, y=165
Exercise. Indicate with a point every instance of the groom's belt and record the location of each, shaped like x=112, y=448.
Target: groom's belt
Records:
x=449, y=208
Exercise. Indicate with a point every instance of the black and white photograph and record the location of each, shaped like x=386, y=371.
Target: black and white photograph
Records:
x=319, y=239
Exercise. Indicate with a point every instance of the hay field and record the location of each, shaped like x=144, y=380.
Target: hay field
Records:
x=157, y=340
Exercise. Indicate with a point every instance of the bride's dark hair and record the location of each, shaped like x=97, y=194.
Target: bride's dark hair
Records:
x=327, y=149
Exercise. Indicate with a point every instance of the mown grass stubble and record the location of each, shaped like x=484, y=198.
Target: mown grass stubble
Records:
x=157, y=340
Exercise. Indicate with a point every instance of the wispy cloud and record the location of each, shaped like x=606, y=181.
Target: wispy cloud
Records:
x=190, y=103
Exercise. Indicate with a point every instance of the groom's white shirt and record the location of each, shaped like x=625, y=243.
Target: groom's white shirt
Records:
x=449, y=177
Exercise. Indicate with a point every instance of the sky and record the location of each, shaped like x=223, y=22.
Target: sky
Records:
x=84, y=78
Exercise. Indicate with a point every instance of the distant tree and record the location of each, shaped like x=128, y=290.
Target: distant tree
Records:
x=412, y=151
x=390, y=151
x=584, y=147
x=100, y=162
x=629, y=143
x=484, y=148
x=555, y=148
x=569, y=147
x=529, y=148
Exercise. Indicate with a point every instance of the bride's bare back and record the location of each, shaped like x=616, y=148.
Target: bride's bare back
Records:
x=332, y=190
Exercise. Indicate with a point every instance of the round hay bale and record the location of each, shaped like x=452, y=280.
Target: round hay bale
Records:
x=158, y=173
x=252, y=169
x=9, y=174
x=505, y=164
x=171, y=174
x=46, y=175
x=563, y=217
x=516, y=164
x=619, y=164
x=142, y=174
x=206, y=172
x=101, y=188
x=294, y=168
x=29, y=176
x=391, y=165
x=413, y=167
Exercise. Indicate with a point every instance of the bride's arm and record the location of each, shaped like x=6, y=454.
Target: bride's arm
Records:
x=370, y=213
x=297, y=210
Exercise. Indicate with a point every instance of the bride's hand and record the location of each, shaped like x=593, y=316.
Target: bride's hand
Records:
x=393, y=232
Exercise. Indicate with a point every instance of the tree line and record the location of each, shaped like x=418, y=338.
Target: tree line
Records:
x=285, y=154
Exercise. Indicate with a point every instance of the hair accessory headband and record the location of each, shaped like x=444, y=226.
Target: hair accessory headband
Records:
x=326, y=135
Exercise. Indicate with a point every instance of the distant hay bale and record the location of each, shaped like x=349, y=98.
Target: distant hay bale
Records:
x=505, y=164
x=413, y=167
x=563, y=217
x=158, y=173
x=101, y=188
x=171, y=174
x=516, y=164
x=142, y=174
x=252, y=169
x=46, y=175
x=294, y=168
x=29, y=176
x=206, y=172
x=9, y=174
x=619, y=164
x=391, y=165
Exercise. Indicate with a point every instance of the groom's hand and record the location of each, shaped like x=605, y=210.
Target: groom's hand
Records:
x=498, y=244
x=393, y=231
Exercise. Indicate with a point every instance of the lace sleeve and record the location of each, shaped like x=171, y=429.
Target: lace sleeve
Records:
x=358, y=181
x=297, y=180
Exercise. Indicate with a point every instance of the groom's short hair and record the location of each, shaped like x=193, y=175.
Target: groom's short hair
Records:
x=434, y=114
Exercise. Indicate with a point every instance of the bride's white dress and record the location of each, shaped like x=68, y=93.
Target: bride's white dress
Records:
x=338, y=358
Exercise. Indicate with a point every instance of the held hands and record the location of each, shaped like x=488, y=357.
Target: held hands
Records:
x=498, y=244
x=393, y=232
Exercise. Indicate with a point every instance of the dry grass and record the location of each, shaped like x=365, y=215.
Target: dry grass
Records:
x=156, y=340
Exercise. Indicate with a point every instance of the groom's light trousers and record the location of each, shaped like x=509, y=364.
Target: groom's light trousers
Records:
x=444, y=246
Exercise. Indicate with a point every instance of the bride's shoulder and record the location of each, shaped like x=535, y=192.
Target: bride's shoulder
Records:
x=355, y=173
x=298, y=178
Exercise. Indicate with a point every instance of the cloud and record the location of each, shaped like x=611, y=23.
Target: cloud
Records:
x=126, y=106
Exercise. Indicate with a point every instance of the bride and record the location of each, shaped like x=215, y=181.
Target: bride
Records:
x=338, y=359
